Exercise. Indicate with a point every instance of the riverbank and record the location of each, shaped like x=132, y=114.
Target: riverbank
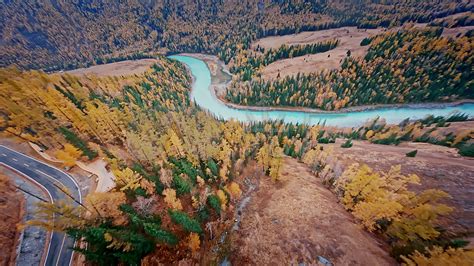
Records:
x=353, y=109
x=221, y=76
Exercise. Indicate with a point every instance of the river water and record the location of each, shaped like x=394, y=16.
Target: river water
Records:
x=203, y=96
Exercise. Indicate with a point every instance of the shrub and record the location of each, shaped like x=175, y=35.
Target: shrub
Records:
x=203, y=214
x=180, y=185
x=467, y=150
x=325, y=140
x=189, y=224
x=412, y=153
x=347, y=144
x=160, y=234
x=366, y=41
x=457, y=117
x=214, y=203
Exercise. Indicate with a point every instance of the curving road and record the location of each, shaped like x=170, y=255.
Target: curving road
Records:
x=59, y=251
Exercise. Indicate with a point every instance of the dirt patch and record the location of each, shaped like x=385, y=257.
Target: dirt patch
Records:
x=298, y=219
x=349, y=39
x=437, y=166
x=123, y=68
x=455, y=32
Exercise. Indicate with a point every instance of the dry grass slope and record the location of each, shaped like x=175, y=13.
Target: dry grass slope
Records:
x=297, y=220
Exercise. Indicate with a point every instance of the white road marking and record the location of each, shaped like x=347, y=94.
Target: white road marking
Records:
x=3, y=154
x=45, y=174
x=27, y=165
x=60, y=250
x=14, y=159
x=50, y=166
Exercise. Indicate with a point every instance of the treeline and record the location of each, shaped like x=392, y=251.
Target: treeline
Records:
x=434, y=130
x=408, y=66
x=246, y=65
x=96, y=61
x=461, y=21
x=53, y=35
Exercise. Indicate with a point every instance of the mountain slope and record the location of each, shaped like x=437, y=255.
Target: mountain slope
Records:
x=65, y=34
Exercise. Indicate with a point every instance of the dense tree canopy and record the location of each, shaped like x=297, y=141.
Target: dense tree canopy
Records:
x=66, y=34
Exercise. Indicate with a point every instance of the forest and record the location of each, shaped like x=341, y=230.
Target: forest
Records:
x=409, y=66
x=107, y=29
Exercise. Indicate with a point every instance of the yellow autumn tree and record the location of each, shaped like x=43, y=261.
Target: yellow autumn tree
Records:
x=222, y=198
x=69, y=155
x=419, y=217
x=171, y=200
x=270, y=157
x=174, y=145
x=57, y=216
x=234, y=190
x=438, y=256
x=225, y=152
x=371, y=196
x=374, y=197
x=263, y=156
x=127, y=179
x=103, y=205
x=276, y=163
x=194, y=243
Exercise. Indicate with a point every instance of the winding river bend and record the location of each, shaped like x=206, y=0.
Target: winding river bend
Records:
x=203, y=96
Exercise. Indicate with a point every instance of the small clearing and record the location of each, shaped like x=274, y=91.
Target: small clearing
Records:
x=296, y=220
x=122, y=68
x=349, y=39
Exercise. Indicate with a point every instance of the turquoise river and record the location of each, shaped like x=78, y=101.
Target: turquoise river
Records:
x=202, y=95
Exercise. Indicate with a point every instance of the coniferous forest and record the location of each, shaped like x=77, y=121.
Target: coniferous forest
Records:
x=403, y=67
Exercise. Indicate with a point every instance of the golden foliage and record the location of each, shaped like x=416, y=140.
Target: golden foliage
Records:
x=437, y=256
x=117, y=243
x=194, y=243
x=69, y=155
x=171, y=200
x=106, y=205
x=58, y=216
x=374, y=197
x=200, y=181
x=234, y=190
x=127, y=179
x=166, y=177
x=222, y=198
x=148, y=186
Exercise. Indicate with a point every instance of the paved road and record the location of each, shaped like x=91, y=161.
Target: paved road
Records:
x=59, y=251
